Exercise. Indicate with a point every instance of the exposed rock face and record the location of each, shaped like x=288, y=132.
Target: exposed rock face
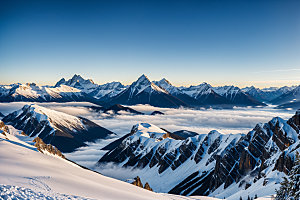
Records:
x=42, y=147
x=253, y=154
x=64, y=131
x=38, y=142
x=284, y=163
x=215, y=161
x=137, y=182
x=3, y=128
x=168, y=154
x=294, y=122
x=147, y=186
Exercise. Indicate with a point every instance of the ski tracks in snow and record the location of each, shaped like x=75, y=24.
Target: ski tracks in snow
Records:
x=37, y=182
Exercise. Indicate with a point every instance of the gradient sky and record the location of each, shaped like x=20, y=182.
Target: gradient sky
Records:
x=188, y=42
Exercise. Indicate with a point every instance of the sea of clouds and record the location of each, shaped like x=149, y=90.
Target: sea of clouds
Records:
x=226, y=121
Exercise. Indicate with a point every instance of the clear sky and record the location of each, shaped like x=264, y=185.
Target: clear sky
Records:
x=255, y=42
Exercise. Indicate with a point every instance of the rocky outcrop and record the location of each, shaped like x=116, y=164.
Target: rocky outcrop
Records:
x=147, y=187
x=137, y=182
x=3, y=128
x=43, y=147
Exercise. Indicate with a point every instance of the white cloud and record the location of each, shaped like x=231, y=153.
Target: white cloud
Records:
x=238, y=120
x=117, y=172
x=201, y=121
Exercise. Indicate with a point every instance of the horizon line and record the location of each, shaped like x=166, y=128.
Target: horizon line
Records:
x=176, y=85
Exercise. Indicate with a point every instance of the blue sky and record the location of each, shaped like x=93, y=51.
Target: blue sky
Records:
x=187, y=42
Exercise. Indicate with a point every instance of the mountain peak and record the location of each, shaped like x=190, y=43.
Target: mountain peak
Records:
x=148, y=131
x=76, y=78
x=142, y=81
x=60, y=82
x=143, y=78
x=165, y=81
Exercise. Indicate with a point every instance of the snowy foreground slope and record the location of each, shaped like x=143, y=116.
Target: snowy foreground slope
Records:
x=27, y=173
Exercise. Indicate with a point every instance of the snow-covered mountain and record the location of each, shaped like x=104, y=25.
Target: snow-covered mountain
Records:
x=106, y=91
x=78, y=82
x=279, y=90
x=157, y=93
x=266, y=94
x=167, y=86
x=66, y=132
x=205, y=94
x=160, y=156
x=217, y=165
x=26, y=173
x=257, y=93
x=32, y=92
x=101, y=92
x=288, y=97
x=143, y=91
x=236, y=96
x=176, y=92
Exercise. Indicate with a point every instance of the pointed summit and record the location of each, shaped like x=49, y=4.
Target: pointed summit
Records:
x=76, y=78
x=167, y=86
x=165, y=81
x=60, y=82
x=85, y=85
x=143, y=80
x=143, y=91
x=143, y=76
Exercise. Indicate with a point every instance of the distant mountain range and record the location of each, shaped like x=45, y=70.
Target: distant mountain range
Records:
x=143, y=91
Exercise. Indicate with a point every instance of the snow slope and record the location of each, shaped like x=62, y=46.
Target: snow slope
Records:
x=27, y=173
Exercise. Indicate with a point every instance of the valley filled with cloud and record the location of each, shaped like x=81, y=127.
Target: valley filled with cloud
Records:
x=226, y=121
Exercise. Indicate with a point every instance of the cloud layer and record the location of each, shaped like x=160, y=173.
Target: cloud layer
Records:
x=238, y=120
x=226, y=121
